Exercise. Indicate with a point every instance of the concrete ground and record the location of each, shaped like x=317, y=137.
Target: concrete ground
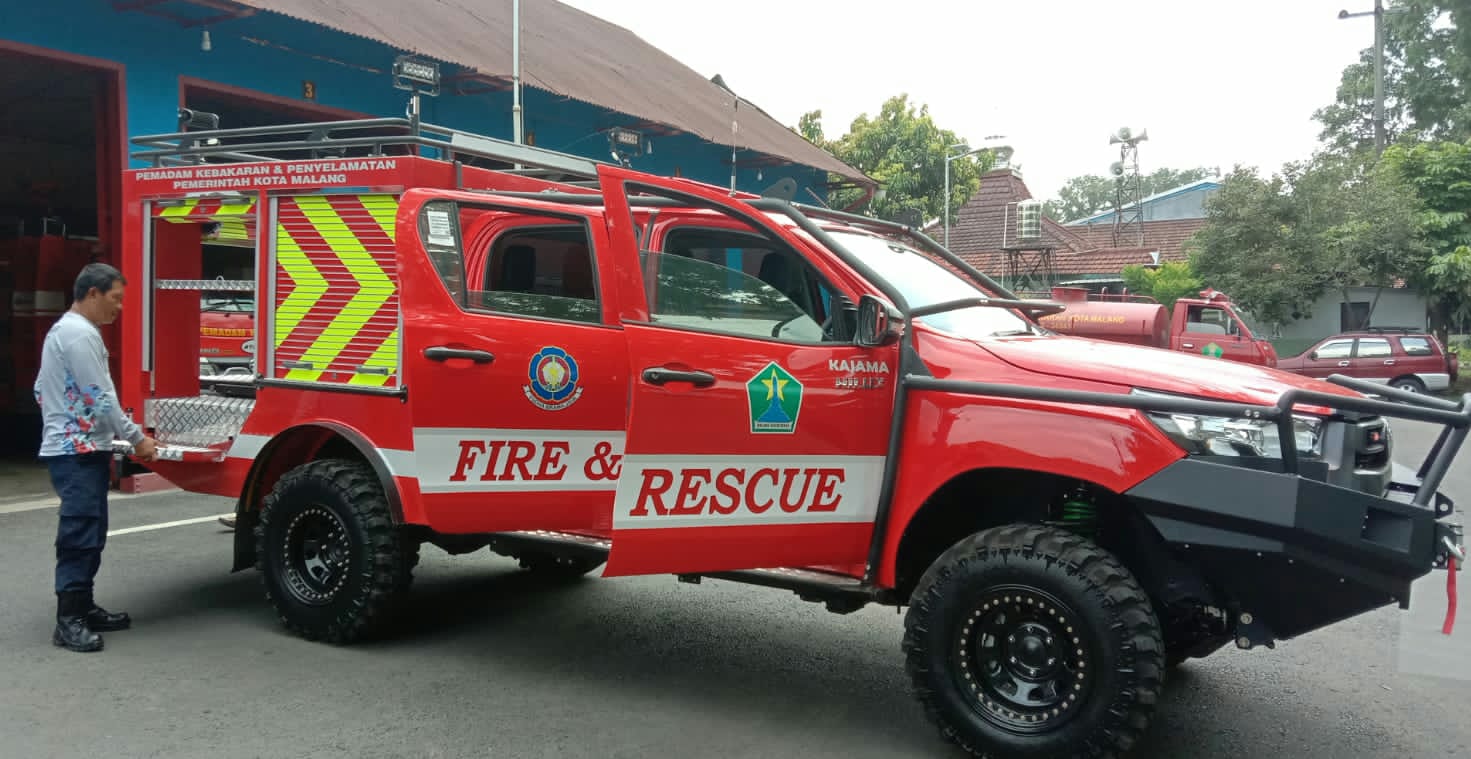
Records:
x=489, y=662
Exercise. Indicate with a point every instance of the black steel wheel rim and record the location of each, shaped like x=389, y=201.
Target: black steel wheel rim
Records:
x=318, y=556
x=1023, y=659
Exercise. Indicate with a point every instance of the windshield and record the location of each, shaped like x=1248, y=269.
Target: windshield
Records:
x=924, y=282
x=1251, y=323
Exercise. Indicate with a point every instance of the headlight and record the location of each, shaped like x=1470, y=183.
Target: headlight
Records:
x=1224, y=436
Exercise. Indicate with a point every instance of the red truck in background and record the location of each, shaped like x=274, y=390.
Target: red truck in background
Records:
x=226, y=333
x=1209, y=326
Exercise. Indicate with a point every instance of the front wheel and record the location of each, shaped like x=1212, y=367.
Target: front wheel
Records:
x=1031, y=641
x=331, y=559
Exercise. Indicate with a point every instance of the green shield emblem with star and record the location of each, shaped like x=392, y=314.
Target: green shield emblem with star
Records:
x=775, y=399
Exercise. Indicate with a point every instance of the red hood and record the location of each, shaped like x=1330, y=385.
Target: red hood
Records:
x=1154, y=369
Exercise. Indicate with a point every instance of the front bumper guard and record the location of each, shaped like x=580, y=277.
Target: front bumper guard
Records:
x=1288, y=551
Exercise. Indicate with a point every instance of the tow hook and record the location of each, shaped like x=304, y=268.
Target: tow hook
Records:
x=1454, y=559
x=1452, y=546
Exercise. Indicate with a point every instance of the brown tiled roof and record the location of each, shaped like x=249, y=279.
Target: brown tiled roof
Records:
x=567, y=52
x=986, y=225
x=1167, y=236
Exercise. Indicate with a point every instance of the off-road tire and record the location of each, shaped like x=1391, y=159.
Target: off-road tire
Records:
x=370, y=564
x=554, y=567
x=1115, y=683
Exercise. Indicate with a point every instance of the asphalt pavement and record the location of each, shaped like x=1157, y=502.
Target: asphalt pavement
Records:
x=489, y=662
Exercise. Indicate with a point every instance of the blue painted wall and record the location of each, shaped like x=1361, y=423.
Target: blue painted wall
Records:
x=274, y=54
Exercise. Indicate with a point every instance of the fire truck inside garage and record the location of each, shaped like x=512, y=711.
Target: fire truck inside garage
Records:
x=60, y=147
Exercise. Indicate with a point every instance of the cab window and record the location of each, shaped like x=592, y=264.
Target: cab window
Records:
x=737, y=282
x=500, y=262
x=1209, y=320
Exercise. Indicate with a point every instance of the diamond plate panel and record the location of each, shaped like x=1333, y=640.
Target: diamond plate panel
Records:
x=199, y=422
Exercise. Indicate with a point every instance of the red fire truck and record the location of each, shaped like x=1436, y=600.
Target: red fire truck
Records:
x=1210, y=325
x=477, y=344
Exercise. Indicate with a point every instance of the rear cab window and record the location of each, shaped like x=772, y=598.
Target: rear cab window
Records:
x=514, y=264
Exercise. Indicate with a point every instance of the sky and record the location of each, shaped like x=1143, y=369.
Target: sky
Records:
x=1215, y=84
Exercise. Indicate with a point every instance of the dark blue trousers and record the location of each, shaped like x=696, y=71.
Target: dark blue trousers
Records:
x=82, y=482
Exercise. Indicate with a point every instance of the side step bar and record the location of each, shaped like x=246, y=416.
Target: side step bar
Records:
x=840, y=593
x=182, y=453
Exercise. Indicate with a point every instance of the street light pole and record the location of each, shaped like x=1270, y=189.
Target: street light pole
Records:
x=1381, y=137
x=966, y=151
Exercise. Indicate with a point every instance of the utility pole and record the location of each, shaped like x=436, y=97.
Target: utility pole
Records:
x=1379, y=77
x=516, y=122
x=1380, y=136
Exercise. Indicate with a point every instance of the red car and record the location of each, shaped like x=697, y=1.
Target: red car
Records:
x=1401, y=357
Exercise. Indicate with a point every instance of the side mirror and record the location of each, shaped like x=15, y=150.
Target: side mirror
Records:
x=876, y=322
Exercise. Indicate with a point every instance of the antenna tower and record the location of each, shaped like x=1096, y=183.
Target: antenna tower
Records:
x=1128, y=205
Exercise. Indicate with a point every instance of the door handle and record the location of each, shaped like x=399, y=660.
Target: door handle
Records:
x=656, y=375
x=445, y=353
x=1187, y=345
x=1343, y=363
x=1389, y=362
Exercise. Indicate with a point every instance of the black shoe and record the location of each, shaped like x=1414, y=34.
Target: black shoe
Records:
x=102, y=620
x=72, y=633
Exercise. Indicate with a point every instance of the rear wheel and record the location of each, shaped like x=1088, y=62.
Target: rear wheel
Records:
x=1031, y=641
x=331, y=559
x=1408, y=384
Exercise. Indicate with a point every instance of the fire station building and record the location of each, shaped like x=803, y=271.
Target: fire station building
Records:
x=79, y=78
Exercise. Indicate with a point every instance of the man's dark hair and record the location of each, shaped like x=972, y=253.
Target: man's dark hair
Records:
x=98, y=275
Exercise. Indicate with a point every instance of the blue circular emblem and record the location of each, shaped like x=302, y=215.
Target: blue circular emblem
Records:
x=552, y=379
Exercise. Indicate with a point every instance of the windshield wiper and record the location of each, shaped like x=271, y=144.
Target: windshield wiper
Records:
x=1030, y=306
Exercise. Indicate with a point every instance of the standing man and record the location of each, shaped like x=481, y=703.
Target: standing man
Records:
x=81, y=417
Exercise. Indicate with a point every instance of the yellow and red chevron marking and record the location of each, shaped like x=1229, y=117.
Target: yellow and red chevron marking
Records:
x=235, y=217
x=336, y=310
x=204, y=209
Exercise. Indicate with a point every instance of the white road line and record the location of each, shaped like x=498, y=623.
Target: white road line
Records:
x=53, y=502
x=162, y=525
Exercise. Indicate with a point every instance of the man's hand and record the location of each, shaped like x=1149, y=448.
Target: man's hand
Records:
x=146, y=450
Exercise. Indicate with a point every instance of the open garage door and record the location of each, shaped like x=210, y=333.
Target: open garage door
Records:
x=60, y=162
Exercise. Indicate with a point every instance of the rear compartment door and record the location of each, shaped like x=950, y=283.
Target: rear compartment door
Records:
x=516, y=371
x=757, y=434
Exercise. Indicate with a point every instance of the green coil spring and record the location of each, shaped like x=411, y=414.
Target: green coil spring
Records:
x=1080, y=516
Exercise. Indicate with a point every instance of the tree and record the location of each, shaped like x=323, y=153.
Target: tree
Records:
x=905, y=151
x=1427, y=69
x=1166, y=283
x=1440, y=174
x=1084, y=196
x=1278, y=245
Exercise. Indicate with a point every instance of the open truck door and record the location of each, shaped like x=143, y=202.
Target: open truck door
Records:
x=758, y=427
x=517, y=369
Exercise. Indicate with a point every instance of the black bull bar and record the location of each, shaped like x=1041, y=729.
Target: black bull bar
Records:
x=1292, y=552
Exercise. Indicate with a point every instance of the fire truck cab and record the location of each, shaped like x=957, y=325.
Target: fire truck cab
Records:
x=475, y=344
